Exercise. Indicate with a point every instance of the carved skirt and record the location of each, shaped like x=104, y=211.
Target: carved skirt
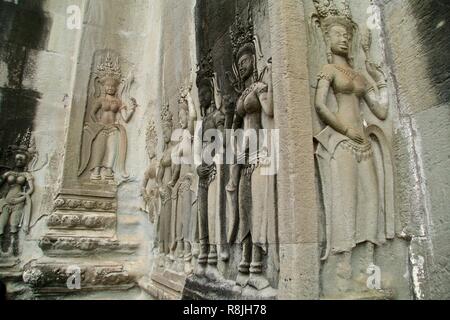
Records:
x=356, y=212
x=183, y=215
x=105, y=146
x=12, y=214
x=164, y=234
x=257, y=206
x=211, y=219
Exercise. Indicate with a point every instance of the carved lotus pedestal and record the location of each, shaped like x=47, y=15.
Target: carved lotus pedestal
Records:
x=82, y=241
x=47, y=277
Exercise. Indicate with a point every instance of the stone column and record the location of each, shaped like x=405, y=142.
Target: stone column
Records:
x=298, y=212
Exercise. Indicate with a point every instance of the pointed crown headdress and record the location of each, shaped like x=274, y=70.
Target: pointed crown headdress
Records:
x=109, y=69
x=242, y=35
x=182, y=102
x=205, y=70
x=166, y=116
x=151, y=136
x=24, y=145
x=329, y=14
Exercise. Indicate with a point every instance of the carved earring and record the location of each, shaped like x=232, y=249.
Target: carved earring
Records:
x=329, y=55
x=328, y=51
x=255, y=70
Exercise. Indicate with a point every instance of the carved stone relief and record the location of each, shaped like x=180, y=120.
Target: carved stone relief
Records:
x=84, y=214
x=353, y=156
x=17, y=188
x=149, y=190
x=210, y=190
x=255, y=225
x=104, y=147
x=68, y=246
x=164, y=177
x=48, y=277
x=183, y=183
x=229, y=222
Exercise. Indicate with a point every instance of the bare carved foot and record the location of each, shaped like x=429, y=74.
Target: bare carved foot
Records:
x=213, y=274
x=242, y=279
x=258, y=281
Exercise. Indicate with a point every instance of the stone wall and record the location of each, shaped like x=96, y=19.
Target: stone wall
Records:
x=50, y=75
x=418, y=50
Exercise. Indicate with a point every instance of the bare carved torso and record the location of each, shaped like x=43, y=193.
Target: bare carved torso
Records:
x=249, y=107
x=349, y=87
x=108, y=107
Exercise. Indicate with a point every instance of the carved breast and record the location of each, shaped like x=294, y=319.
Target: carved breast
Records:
x=11, y=179
x=21, y=180
x=249, y=102
x=349, y=82
x=166, y=160
x=112, y=106
x=16, y=179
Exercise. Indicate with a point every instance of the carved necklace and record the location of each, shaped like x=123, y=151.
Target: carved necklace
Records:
x=348, y=72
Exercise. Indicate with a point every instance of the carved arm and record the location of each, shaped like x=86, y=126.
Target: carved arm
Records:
x=30, y=181
x=126, y=115
x=93, y=113
x=265, y=93
x=377, y=98
x=193, y=115
x=328, y=117
x=159, y=175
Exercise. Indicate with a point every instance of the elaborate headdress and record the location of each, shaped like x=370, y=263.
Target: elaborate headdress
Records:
x=242, y=35
x=329, y=14
x=207, y=77
x=24, y=145
x=182, y=102
x=205, y=70
x=109, y=69
x=244, y=40
x=166, y=117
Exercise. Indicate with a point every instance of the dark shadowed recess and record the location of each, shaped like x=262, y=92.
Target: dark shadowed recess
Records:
x=24, y=31
x=433, y=24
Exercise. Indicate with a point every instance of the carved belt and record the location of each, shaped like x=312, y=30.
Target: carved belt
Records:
x=360, y=151
x=184, y=186
x=166, y=195
x=108, y=131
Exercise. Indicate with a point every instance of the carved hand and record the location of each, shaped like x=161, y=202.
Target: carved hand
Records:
x=202, y=171
x=375, y=71
x=17, y=200
x=355, y=136
x=134, y=104
x=144, y=195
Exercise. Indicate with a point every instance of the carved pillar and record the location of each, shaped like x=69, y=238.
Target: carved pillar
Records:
x=298, y=206
x=84, y=217
x=83, y=222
